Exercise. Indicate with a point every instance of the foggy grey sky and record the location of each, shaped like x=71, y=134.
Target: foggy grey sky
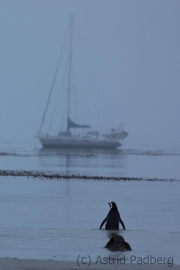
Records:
x=126, y=66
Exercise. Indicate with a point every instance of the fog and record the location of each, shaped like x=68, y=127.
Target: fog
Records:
x=125, y=67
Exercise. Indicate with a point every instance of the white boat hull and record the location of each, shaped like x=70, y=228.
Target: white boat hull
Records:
x=77, y=142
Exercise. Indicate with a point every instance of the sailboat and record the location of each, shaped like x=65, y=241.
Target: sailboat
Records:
x=89, y=140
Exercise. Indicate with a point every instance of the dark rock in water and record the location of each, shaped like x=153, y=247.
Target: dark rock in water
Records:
x=117, y=243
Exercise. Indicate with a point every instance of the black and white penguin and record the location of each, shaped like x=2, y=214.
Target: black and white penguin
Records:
x=113, y=218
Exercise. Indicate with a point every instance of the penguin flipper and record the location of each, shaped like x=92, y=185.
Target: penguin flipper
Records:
x=103, y=223
x=122, y=223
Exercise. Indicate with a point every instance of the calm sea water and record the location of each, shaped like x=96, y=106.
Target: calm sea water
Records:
x=60, y=219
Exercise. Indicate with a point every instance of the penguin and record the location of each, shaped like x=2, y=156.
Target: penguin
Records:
x=113, y=218
x=117, y=243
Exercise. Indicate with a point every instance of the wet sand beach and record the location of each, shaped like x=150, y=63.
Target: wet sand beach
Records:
x=12, y=264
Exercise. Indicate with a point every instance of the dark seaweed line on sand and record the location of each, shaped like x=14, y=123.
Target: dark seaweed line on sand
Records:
x=50, y=175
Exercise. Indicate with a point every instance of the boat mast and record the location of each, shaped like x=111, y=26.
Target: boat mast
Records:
x=53, y=82
x=70, y=69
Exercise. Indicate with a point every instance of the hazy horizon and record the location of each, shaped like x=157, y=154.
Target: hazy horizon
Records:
x=125, y=67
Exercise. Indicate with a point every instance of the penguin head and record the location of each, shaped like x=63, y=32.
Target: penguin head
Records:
x=113, y=205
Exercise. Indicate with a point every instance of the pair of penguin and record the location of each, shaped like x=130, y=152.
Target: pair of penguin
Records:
x=112, y=220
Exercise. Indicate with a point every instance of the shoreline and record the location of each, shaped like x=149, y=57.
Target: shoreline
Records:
x=35, y=264
x=59, y=176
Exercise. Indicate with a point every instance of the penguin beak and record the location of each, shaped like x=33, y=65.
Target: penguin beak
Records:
x=109, y=204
